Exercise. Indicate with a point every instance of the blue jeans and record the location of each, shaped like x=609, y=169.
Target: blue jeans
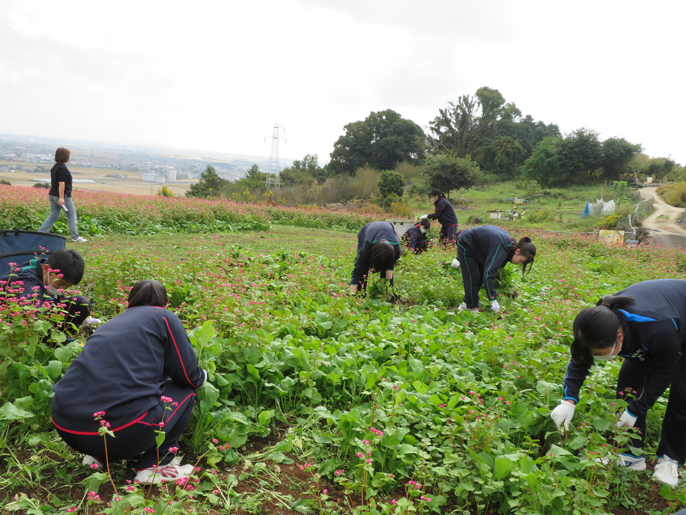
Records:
x=55, y=211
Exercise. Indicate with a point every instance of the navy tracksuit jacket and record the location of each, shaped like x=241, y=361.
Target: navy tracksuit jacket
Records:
x=482, y=251
x=416, y=239
x=368, y=235
x=125, y=368
x=29, y=278
x=654, y=337
x=445, y=214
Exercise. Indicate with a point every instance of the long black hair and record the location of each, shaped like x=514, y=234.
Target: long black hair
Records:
x=596, y=328
x=437, y=193
x=148, y=293
x=526, y=249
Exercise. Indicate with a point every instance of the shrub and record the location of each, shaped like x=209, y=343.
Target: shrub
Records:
x=410, y=172
x=391, y=182
x=164, y=192
x=674, y=194
x=402, y=210
x=42, y=185
x=6, y=183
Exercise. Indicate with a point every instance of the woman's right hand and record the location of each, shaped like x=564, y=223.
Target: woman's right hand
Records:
x=60, y=202
x=563, y=414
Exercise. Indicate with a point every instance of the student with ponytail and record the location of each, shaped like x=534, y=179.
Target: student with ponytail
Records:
x=445, y=214
x=646, y=325
x=481, y=252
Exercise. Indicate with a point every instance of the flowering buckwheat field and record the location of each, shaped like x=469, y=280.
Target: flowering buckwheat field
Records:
x=319, y=402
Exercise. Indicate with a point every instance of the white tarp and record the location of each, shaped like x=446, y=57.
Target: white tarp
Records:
x=601, y=208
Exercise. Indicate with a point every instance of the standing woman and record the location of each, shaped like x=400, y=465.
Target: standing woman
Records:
x=138, y=374
x=481, y=252
x=378, y=248
x=646, y=325
x=445, y=214
x=60, y=195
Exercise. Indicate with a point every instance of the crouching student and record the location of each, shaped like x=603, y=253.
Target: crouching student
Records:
x=131, y=370
x=41, y=282
x=416, y=236
x=378, y=248
x=646, y=325
x=481, y=252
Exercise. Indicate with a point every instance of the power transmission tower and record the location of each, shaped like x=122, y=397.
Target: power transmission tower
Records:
x=273, y=182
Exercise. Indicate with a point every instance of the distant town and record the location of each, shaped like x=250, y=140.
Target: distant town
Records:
x=27, y=155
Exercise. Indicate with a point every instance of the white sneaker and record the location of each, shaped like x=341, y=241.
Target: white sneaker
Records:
x=625, y=460
x=164, y=474
x=186, y=469
x=79, y=240
x=90, y=460
x=667, y=472
x=463, y=306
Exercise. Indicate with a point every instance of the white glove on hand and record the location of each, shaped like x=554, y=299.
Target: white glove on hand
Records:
x=627, y=419
x=423, y=216
x=90, y=321
x=496, y=307
x=563, y=414
x=455, y=263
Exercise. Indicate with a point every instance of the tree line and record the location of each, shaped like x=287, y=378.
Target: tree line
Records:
x=475, y=140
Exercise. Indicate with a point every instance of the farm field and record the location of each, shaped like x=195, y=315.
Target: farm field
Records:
x=323, y=403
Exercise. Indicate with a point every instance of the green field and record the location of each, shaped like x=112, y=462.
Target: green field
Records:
x=300, y=373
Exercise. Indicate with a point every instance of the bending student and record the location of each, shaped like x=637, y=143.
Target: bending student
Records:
x=416, y=236
x=481, y=252
x=42, y=280
x=644, y=324
x=132, y=369
x=378, y=248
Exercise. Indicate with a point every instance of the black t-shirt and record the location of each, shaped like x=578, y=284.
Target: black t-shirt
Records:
x=60, y=173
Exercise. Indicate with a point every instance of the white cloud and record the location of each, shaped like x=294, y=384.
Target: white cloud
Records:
x=217, y=75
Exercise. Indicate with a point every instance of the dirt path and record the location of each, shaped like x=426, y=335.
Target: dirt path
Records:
x=665, y=216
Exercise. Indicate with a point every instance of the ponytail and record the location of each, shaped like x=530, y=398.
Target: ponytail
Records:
x=527, y=249
x=437, y=193
x=596, y=328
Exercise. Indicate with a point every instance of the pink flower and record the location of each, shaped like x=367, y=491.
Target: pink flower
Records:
x=167, y=399
x=360, y=455
x=94, y=466
x=324, y=491
x=394, y=502
x=368, y=461
x=214, y=440
x=174, y=449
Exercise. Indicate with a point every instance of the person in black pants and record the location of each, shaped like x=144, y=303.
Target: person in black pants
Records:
x=445, y=214
x=416, y=236
x=378, y=248
x=646, y=325
x=131, y=370
x=481, y=252
x=41, y=281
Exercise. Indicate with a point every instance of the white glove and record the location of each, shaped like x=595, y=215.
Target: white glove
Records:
x=424, y=216
x=205, y=380
x=563, y=414
x=455, y=263
x=496, y=307
x=627, y=419
x=90, y=321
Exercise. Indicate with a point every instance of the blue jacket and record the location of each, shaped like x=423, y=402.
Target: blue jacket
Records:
x=414, y=235
x=368, y=235
x=123, y=369
x=654, y=331
x=492, y=248
x=29, y=279
x=444, y=213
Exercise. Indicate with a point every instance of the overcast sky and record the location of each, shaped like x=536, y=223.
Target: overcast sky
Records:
x=217, y=75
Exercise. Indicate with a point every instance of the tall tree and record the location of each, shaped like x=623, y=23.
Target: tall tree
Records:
x=209, y=185
x=303, y=171
x=448, y=172
x=382, y=140
x=617, y=154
